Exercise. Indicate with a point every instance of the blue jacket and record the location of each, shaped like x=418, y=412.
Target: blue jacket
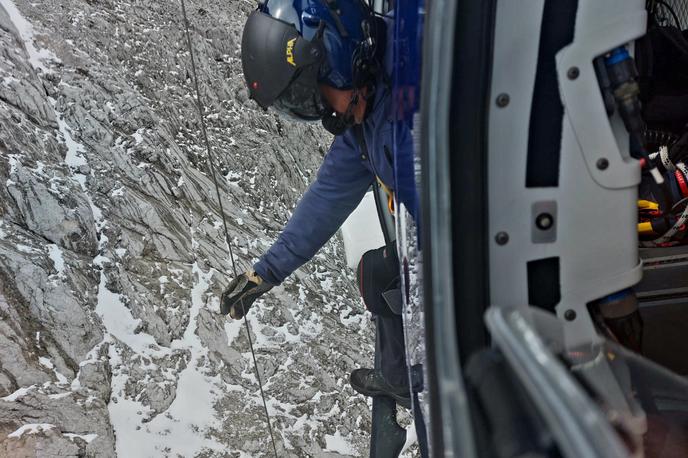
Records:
x=342, y=181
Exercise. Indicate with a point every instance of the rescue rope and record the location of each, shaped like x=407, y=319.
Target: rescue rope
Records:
x=211, y=160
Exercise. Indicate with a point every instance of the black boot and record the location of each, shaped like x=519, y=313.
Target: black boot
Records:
x=370, y=382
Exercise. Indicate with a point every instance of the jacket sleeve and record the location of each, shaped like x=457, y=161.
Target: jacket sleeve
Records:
x=341, y=183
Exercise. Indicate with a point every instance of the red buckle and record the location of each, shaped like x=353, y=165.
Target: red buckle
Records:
x=681, y=179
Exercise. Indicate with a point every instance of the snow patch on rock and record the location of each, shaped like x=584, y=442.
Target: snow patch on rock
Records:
x=37, y=56
x=86, y=437
x=18, y=394
x=31, y=428
x=338, y=443
x=55, y=253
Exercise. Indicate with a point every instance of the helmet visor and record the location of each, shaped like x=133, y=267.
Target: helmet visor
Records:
x=302, y=99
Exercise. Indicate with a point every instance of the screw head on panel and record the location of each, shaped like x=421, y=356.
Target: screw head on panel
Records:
x=503, y=100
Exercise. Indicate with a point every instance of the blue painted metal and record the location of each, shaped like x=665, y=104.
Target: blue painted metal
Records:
x=617, y=296
x=409, y=16
x=406, y=71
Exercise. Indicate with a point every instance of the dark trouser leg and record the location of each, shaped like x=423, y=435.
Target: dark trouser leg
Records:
x=378, y=272
x=392, y=349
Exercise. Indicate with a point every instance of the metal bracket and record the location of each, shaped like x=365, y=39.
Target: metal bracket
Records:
x=585, y=106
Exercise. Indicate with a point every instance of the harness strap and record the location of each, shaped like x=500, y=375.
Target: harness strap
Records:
x=358, y=133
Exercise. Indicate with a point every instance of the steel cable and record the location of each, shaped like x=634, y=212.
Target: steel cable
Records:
x=211, y=160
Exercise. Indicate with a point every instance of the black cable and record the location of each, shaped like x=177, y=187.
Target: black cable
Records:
x=224, y=218
x=659, y=138
x=680, y=202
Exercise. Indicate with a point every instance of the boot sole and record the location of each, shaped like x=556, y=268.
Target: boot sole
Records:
x=401, y=400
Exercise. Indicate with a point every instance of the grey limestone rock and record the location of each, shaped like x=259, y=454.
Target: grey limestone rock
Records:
x=112, y=249
x=57, y=213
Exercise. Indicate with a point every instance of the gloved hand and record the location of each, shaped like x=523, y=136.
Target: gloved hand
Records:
x=244, y=289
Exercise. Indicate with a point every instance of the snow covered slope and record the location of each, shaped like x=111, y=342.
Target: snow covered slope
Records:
x=112, y=257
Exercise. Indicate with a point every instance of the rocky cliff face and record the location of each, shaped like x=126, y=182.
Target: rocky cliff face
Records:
x=112, y=254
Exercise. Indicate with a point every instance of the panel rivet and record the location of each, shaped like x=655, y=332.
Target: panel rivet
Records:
x=502, y=238
x=602, y=164
x=503, y=100
x=573, y=73
x=570, y=315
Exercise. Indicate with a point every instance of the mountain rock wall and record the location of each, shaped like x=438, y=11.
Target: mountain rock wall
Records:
x=112, y=252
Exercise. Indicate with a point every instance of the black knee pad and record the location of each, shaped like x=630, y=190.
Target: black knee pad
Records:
x=378, y=272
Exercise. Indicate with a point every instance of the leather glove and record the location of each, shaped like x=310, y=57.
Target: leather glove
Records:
x=243, y=290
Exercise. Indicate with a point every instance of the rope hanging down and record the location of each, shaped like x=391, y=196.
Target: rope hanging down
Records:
x=211, y=160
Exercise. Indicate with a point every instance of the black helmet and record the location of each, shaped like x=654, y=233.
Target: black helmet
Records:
x=289, y=47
